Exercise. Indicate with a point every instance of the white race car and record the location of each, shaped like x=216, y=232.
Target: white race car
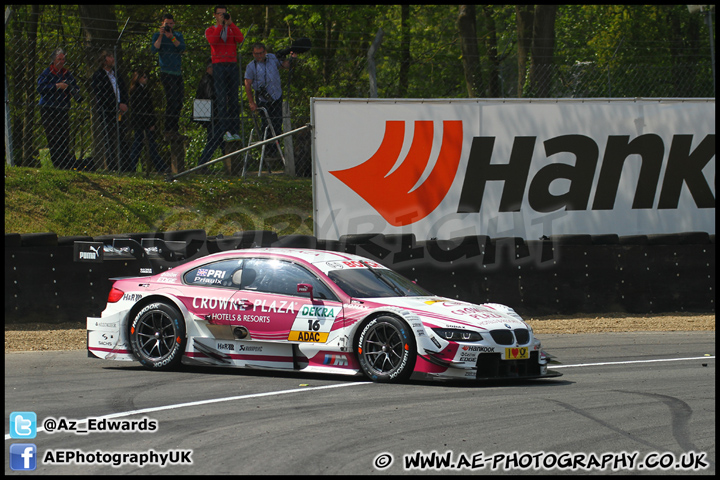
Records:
x=312, y=311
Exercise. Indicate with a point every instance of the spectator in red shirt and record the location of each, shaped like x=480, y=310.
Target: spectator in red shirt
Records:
x=224, y=38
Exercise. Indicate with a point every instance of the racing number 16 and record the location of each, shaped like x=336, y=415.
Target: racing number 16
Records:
x=314, y=325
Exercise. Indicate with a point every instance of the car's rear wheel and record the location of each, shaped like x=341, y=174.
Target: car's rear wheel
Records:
x=386, y=349
x=157, y=336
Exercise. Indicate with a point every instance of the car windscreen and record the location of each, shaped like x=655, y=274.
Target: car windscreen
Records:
x=374, y=283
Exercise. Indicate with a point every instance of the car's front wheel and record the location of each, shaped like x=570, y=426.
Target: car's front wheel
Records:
x=386, y=349
x=157, y=336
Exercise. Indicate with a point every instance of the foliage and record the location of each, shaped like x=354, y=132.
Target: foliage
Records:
x=606, y=36
x=599, y=51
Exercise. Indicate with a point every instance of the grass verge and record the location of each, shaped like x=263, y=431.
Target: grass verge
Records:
x=81, y=203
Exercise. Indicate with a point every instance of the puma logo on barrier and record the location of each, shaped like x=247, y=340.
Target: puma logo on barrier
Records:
x=394, y=195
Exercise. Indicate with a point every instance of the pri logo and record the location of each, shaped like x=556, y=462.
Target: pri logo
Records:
x=396, y=196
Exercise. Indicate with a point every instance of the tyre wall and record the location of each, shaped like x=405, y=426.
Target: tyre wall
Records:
x=558, y=275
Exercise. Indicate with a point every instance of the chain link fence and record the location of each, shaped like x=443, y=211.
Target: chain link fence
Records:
x=116, y=110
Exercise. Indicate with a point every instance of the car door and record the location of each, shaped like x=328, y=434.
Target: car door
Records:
x=277, y=311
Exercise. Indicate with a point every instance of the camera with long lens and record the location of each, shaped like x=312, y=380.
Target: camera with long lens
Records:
x=226, y=16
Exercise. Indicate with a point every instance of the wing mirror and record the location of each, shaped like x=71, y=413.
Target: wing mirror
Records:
x=305, y=288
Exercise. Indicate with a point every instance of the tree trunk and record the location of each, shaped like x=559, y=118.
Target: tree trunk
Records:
x=404, y=50
x=288, y=141
x=331, y=37
x=685, y=38
x=100, y=27
x=29, y=150
x=494, y=88
x=469, y=47
x=524, y=20
x=543, y=46
x=371, y=62
x=266, y=30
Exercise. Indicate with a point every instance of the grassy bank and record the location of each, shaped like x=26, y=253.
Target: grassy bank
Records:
x=80, y=203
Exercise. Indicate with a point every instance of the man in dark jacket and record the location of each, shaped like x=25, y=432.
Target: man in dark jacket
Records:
x=56, y=86
x=143, y=122
x=111, y=100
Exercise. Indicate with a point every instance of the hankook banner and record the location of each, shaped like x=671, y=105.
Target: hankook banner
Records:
x=513, y=168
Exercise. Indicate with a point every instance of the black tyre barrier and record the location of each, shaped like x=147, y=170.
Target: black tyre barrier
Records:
x=185, y=235
x=38, y=239
x=72, y=239
x=633, y=240
x=222, y=244
x=331, y=245
x=240, y=240
x=505, y=250
x=687, y=238
x=359, y=238
x=12, y=240
x=195, y=240
x=350, y=242
x=108, y=239
x=571, y=239
x=456, y=248
x=404, y=246
x=606, y=239
x=560, y=275
x=403, y=240
x=139, y=236
x=256, y=238
x=296, y=241
x=388, y=249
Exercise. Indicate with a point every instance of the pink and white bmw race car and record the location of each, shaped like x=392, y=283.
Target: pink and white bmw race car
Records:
x=311, y=311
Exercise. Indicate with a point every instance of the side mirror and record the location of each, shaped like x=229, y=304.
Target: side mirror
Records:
x=305, y=288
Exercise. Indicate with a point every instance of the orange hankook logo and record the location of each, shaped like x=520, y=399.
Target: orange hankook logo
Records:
x=393, y=194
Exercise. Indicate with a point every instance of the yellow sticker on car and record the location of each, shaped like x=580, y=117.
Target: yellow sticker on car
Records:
x=517, y=353
x=318, y=337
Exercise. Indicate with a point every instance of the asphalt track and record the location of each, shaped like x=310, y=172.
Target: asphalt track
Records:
x=640, y=400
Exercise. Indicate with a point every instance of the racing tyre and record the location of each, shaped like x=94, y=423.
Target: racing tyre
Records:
x=157, y=336
x=386, y=350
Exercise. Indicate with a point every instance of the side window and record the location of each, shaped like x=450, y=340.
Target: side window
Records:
x=281, y=277
x=226, y=273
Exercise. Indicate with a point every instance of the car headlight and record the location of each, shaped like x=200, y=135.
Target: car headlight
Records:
x=457, y=335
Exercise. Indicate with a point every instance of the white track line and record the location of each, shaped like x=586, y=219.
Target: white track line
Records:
x=553, y=367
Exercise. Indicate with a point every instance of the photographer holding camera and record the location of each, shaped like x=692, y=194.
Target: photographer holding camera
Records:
x=56, y=86
x=263, y=76
x=170, y=44
x=224, y=38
